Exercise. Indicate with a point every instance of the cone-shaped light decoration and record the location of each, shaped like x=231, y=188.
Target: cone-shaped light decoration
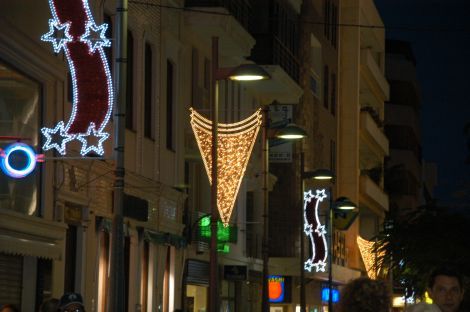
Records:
x=368, y=257
x=235, y=143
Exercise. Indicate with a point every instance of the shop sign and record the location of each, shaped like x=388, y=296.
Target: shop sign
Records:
x=236, y=272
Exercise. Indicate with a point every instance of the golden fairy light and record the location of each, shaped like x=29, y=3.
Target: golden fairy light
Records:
x=235, y=143
x=369, y=256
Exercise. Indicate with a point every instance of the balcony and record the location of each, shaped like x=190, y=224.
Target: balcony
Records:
x=373, y=75
x=372, y=134
x=240, y=9
x=372, y=196
x=234, y=38
x=269, y=50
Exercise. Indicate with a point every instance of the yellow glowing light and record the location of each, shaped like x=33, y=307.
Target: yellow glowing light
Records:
x=235, y=143
x=368, y=256
x=427, y=299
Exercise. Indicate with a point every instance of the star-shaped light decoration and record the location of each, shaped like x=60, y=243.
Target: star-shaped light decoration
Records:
x=308, y=229
x=58, y=35
x=92, y=140
x=320, y=230
x=320, y=266
x=94, y=36
x=308, y=196
x=321, y=195
x=57, y=138
x=308, y=265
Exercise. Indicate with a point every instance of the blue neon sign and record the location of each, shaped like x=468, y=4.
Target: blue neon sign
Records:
x=18, y=160
x=325, y=294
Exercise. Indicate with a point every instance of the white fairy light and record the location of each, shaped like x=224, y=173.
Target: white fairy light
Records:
x=92, y=132
x=235, y=143
x=320, y=230
x=58, y=43
x=93, y=44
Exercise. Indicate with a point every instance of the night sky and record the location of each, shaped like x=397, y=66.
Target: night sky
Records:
x=439, y=31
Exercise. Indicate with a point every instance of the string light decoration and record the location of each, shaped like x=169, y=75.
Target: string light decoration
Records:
x=369, y=257
x=74, y=31
x=315, y=231
x=235, y=144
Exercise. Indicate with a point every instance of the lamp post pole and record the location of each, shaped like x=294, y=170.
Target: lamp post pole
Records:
x=330, y=250
x=213, y=271
x=265, y=244
x=302, y=242
x=116, y=294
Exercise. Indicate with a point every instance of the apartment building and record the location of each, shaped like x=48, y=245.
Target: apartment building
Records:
x=363, y=144
x=402, y=127
x=56, y=223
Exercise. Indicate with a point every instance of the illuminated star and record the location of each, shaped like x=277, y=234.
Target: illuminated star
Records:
x=321, y=195
x=308, y=265
x=320, y=230
x=96, y=137
x=320, y=266
x=308, y=229
x=57, y=138
x=94, y=36
x=308, y=196
x=58, y=35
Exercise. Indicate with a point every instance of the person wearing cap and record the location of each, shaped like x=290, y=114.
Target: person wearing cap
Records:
x=71, y=302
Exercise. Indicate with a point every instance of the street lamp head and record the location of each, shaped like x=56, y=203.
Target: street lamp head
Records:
x=248, y=72
x=291, y=132
x=344, y=203
x=322, y=174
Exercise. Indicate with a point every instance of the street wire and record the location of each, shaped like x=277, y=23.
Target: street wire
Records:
x=388, y=28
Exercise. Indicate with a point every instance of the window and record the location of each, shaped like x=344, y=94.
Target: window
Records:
x=20, y=99
x=169, y=280
x=130, y=82
x=333, y=94
x=333, y=156
x=326, y=87
x=70, y=258
x=334, y=26
x=103, y=265
x=170, y=93
x=326, y=18
x=149, y=125
x=144, y=277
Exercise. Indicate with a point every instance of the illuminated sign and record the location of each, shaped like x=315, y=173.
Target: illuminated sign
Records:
x=74, y=31
x=315, y=231
x=325, y=293
x=18, y=160
x=276, y=287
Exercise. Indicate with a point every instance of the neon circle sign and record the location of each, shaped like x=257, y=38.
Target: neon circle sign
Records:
x=21, y=171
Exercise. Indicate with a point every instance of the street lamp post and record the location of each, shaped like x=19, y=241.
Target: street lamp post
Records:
x=244, y=72
x=294, y=132
x=342, y=203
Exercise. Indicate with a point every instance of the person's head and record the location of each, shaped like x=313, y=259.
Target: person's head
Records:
x=445, y=287
x=71, y=302
x=365, y=295
x=8, y=308
x=50, y=305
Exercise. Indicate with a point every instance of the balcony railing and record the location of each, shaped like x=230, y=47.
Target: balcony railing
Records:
x=269, y=50
x=240, y=9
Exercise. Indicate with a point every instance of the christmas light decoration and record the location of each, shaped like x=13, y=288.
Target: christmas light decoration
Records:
x=14, y=171
x=369, y=257
x=315, y=231
x=235, y=143
x=74, y=31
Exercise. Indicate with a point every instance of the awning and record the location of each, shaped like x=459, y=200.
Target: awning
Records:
x=29, y=247
x=165, y=238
